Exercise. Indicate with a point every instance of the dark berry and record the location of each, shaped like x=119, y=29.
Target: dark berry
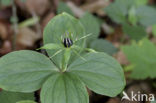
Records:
x=67, y=42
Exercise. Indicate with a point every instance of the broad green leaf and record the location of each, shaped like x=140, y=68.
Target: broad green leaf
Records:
x=63, y=7
x=118, y=10
x=64, y=88
x=26, y=101
x=134, y=32
x=100, y=72
x=102, y=45
x=24, y=71
x=91, y=26
x=57, y=27
x=142, y=56
x=13, y=97
x=146, y=15
x=154, y=30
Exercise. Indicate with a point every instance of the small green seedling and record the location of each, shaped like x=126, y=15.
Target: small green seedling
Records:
x=142, y=58
x=63, y=76
x=134, y=16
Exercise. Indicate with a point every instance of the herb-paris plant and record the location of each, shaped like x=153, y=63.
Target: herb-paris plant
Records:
x=63, y=77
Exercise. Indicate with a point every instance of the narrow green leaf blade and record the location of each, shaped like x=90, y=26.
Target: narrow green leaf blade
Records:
x=100, y=72
x=51, y=46
x=64, y=88
x=13, y=97
x=24, y=71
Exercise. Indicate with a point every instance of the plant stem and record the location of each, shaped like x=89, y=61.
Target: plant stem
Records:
x=15, y=25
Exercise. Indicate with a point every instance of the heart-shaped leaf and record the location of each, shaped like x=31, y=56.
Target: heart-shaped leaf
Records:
x=24, y=71
x=57, y=28
x=64, y=88
x=100, y=72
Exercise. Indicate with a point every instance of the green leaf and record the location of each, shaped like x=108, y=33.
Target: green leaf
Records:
x=64, y=88
x=29, y=22
x=132, y=16
x=153, y=101
x=141, y=2
x=102, y=45
x=26, y=101
x=154, y=30
x=118, y=10
x=91, y=26
x=63, y=7
x=5, y=2
x=13, y=97
x=66, y=58
x=134, y=32
x=24, y=71
x=51, y=46
x=146, y=15
x=23, y=1
x=142, y=56
x=57, y=27
x=100, y=72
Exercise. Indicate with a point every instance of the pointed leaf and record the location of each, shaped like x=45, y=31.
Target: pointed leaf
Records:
x=63, y=7
x=64, y=88
x=100, y=72
x=51, y=46
x=57, y=28
x=24, y=71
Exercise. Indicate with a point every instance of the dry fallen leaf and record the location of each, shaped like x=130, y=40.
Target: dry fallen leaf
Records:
x=3, y=31
x=6, y=48
x=121, y=58
x=114, y=100
x=27, y=37
x=96, y=6
x=37, y=6
x=47, y=19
